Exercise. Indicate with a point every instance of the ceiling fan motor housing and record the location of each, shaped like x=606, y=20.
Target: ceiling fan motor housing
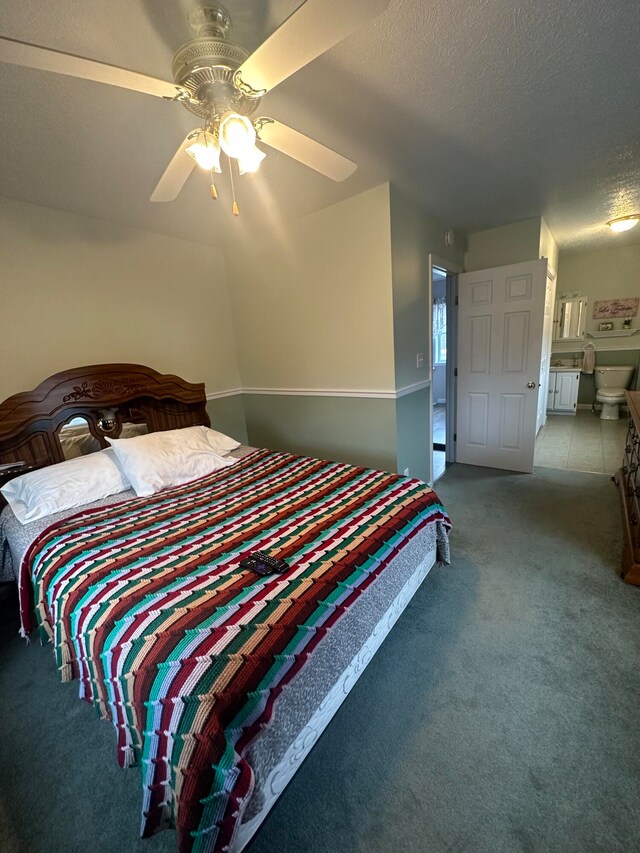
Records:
x=205, y=66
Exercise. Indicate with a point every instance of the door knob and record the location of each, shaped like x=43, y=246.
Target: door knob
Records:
x=531, y=384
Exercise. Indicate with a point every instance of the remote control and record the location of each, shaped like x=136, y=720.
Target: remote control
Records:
x=263, y=563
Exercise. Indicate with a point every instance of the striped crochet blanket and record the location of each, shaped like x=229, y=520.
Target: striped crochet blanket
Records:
x=186, y=653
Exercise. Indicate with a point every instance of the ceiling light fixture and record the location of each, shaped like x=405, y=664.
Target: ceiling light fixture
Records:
x=624, y=223
x=237, y=134
x=205, y=150
x=250, y=161
x=216, y=79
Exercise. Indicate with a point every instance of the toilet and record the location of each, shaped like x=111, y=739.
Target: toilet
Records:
x=610, y=384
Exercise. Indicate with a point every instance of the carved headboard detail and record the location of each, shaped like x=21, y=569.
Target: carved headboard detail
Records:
x=106, y=396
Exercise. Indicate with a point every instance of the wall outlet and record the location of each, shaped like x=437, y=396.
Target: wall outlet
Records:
x=406, y=472
x=419, y=359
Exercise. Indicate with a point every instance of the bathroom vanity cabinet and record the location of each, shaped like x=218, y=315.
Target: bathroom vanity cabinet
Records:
x=563, y=391
x=627, y=479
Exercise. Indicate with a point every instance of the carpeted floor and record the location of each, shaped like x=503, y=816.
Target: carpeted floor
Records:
x=501, y=714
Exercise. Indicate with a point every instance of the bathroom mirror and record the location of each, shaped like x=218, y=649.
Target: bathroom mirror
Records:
x=569, y=318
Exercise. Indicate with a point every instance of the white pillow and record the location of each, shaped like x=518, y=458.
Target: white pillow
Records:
x=218, y=441
x=172, y=457
x=65, y=485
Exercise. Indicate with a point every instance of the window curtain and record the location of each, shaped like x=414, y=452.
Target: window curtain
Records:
x=439, y=315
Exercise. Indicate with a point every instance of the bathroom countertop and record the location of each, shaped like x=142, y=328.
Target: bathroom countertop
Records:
x=564, y=367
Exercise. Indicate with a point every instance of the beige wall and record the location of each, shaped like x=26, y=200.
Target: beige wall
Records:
x=526, y=240
x=314, y=311
x=76, y=290
x=414, y=235
x=509, y=244
x=340, y=303
x=345, y=302
x=602, y=274
x=548, y=246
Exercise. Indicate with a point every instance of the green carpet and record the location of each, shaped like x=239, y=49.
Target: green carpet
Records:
x=501, y=714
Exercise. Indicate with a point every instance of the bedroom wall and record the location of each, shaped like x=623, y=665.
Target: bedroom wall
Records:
x=548, y=246
x=77, y=290
x=414, y=235
x=361, y=431
x=328, y=325
x=602, y=274
x=509, y=244
x=313, y=320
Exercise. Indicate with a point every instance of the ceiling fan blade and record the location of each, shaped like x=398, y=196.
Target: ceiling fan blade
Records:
x=312, y=29
x=32, y=56
x=176, y=174
x=306, y=150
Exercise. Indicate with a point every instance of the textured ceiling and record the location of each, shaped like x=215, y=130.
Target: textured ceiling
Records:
x=487, y=112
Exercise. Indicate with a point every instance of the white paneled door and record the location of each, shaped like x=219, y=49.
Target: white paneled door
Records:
x=500, y=329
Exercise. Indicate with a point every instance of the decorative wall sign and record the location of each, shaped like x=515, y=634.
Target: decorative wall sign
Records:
x=605, y=308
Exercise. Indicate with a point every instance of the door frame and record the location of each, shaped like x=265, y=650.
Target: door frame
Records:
x=544, y=384
x=452, y=270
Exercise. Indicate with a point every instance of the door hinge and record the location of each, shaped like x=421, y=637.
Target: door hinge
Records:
x=455, y=371
x=456, y=302
x=455, y=436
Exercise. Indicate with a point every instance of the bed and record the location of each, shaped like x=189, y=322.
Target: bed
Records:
x=218, y=680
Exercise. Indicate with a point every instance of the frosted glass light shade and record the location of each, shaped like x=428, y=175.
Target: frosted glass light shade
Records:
x=250, y=161
x=205, y=151
x=624, y=223
x=237, y=134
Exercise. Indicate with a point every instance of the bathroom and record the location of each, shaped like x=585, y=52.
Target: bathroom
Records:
x=586, y=425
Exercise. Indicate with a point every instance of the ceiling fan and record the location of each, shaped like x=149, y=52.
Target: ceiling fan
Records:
x=222, y=84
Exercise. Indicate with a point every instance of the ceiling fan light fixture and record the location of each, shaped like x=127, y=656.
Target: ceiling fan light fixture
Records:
x=205, y=151
x=237, y=135
x=624, y=223
x=250, y=161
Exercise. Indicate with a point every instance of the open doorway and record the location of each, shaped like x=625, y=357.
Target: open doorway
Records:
x=443, y=282
x=439, y=383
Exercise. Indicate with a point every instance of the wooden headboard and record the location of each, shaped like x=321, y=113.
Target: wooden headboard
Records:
x=106, y=395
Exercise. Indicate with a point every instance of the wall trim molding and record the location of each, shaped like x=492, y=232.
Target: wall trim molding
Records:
x=218, y=395
x=323, y=392
x=410, y=389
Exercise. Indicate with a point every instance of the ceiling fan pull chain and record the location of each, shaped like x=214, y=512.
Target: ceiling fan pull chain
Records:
x=214, y=191
x=234, y=209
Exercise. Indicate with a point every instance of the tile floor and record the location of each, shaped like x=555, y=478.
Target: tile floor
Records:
x=581, y=443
